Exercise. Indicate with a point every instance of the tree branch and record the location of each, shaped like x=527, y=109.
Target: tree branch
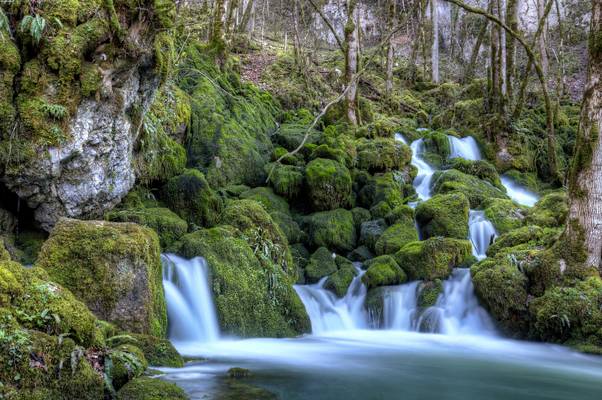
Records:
x=328, y=24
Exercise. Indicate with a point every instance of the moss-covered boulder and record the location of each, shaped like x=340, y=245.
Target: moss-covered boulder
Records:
x=339, y=281
x=146, y=388
x=370, y=232
x=168, y=225
x=321, y=263
x=331, y=229
x=429, y=292
x=360, y=254
x=551, y=210
x=253, y=296
x=382, y=154
x=480, y=168
x=328, y=183
x=444, y=215
x=127, y=362
x=114, y=268
x=396, y=236
x=157, y=351
x=191, y=197
x=528, y=236
x=433, y=258
x=383, y=271
x=436, y=148
x=267, y=198
x=360, y=215
x=261, y=233
x=505, y=215
x=476, y=190
x=502, y=289
x=300, y=259
x=287, y=180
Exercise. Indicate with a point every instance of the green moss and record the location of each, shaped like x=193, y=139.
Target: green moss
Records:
x=383, y=271
x=126, y=363
x=437, y=148
x=164, y=53
x=530, y=235
x=104, y=264
x=444, y=215
x=429, y=293
x=287, y=180
x=360, y=215
x=433, y=258
x=252, y=298
x=261, y=233
x=145, y=388
x=321, y=263
x=382, y=154
x=551, y=210
x=157, y=351
x=10, y=63
x=396, y=236
x=502, y=289
x=339, y=281
x=505, y=215
x=329, y=184
x=90, y=79
x=481, y=169
x=331, y=229
x=191, y=197
x=476, y=190
x=267, y=198
x=165, y=222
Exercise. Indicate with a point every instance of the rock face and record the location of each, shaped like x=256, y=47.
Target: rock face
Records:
x=79, y=104
x=114, y=268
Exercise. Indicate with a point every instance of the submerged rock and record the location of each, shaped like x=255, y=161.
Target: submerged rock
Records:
x=114, y=268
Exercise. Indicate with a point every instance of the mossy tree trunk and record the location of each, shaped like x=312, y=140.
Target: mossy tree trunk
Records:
x=217, y=31
x=512, y=22
x=351, y=47
x=435, y=47
x=391, y=8
x=585, y=181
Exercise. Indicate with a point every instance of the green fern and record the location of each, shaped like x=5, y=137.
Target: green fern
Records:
x=55, y=111
x=34, y=25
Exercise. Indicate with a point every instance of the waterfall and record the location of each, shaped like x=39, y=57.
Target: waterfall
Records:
x=457, y=310
x=481, y=233
x=400, y=306
x=422, y=182
x=518, y=193
x=466, y=148
x=190, y=310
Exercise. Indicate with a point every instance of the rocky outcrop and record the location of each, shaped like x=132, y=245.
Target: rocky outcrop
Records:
x=79, y=105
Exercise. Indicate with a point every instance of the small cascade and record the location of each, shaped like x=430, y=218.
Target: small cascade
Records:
x=400, y=306
x=422, y=182
x=457, y=310
x=481, y=233
x=518, y=193
x=466, y=148
x=328, y=313
x=190, y=310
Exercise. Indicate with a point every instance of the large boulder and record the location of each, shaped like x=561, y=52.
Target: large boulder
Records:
x=147, y=388
x=329, y=184
x=402, y=231
x=504, y=214
x=382, y=154
x=340, y=281
x=433, y=258
x=321, y=263
x=551, y=210
x=383, y=271
x=477, y=190
x=331, y=229
x=480, y=168
x=253, y=297
x=79, y=103
x=444, y=215
x=114, y=268
x=371, y=231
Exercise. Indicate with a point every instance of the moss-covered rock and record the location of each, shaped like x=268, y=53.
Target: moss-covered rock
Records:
x=287, y=180
x=370, y=232
x=360, y=254
x=157, y=351
x=162, y=220
x=428, y=293
x=551, y=210
x=268, y=199
x=382, y=155
x=321, y=263
x=436, y=148
x=433, y=258
x=253, y=297
x=476, y=190
x=328, y=183
x=505, y=215
x=396, y=236
x=339, y=281
x=480, y=168
x=191, y=197
x=502, y=289
x=126, y=363
x=444, y=215
x=360, y=215
x=300, y=259
x=146, y=388
x=530, y=235
x=289, y=226
x=331, y=229
x=383, y=271
x=114, y=268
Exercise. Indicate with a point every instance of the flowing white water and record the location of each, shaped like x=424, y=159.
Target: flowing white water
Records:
x=328, y=313
x=399, y=306
x=466, y=148
x=518, y=193
x=422, y=182
x=190, y=310
x=481, y=233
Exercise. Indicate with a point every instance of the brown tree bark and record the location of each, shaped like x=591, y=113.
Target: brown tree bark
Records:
x=585, y=180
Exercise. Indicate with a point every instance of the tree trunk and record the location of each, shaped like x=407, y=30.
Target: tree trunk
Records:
x=468, y=74
x=543, y=38
x=585, y=181
x=512, y=22
x=351, y=59
x=246, y=16
x=390, y=49
x=435, y=48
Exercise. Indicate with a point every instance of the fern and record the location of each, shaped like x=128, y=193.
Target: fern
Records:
x=55, y=111
x=34, y=25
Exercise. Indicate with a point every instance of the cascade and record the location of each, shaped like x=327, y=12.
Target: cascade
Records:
x=328, y=313
x=422, y=182
x=518, y=193
x=481, y=233
x=466, y=148
x=400, y=306
x=190, y=310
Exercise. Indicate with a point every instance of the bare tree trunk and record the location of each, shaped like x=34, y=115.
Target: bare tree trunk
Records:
x=351, y=59
x=435, y=48
x=503, y=52
x=468, y=74
x=584, y=227
x=246, y=16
